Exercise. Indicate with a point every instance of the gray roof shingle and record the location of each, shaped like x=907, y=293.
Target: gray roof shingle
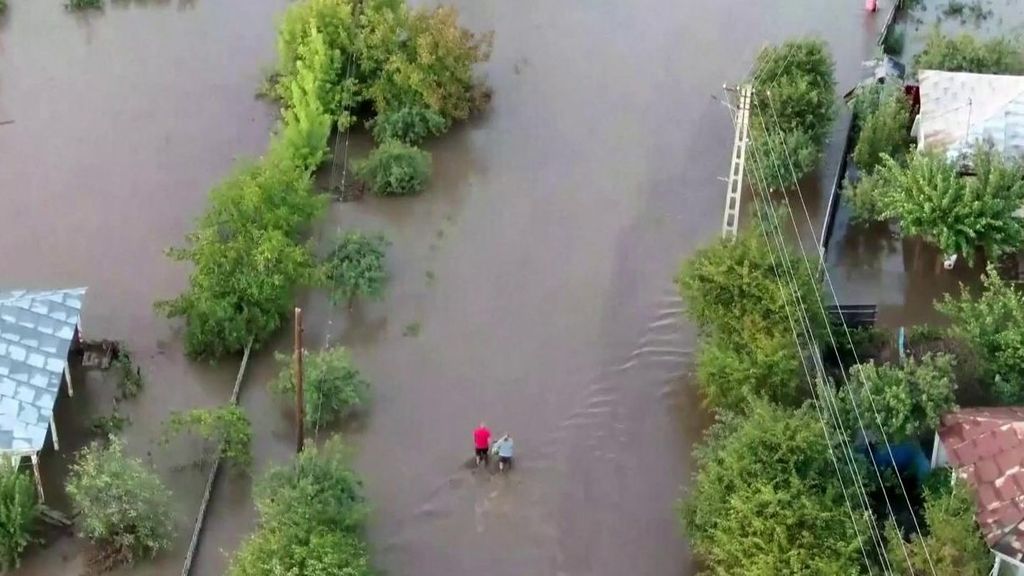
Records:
x=36, y=328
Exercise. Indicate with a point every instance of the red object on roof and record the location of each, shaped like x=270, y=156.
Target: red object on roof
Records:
x=986, y=448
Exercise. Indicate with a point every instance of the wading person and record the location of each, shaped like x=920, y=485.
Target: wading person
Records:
x=505, y=449
x=482, y=444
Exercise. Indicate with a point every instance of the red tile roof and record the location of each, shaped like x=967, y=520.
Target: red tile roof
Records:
x=986, y=448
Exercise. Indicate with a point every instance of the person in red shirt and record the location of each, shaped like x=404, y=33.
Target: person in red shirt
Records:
x=482, y=444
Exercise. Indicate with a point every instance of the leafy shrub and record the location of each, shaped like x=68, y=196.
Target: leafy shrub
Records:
x=356, y=267
x=303, y=137
x=766, y=495
x=959, y=214
x=332, y=386
x=226, y=427
x=395, y=169
x=886, y=131
x=992, y=326
x=131, y=381
x=19, y=511
x=311, y=513
x=965, y=53
x=795, y=83
x=953, y=544
x=123, y=506
x=410, y=125
x=909, y=400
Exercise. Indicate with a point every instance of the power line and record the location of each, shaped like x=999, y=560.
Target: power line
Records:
x=830, y=402
x=846, y=329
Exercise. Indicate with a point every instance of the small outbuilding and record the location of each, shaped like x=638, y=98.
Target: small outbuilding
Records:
x=960, y=110
x=38, y=329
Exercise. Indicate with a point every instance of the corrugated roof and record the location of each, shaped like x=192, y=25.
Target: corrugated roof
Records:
x=960, y=109
x=986, y=448
x=36, y=328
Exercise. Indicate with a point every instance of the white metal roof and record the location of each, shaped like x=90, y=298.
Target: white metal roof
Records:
x=960, y=109
x=36, y=329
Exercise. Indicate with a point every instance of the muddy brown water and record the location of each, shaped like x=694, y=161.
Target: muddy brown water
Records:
x=537, y=268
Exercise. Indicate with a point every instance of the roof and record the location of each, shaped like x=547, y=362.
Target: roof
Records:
x=986, y=447
x=960, y=110
x=36, y=329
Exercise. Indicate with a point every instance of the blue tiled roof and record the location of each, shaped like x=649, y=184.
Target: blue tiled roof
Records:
x=36, y=329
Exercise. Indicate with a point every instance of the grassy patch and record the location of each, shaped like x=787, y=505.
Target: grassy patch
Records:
x=411, y=330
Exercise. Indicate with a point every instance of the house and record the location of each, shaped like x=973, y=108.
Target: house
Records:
x=985, y=447
x=960, y=110
x=37, y=330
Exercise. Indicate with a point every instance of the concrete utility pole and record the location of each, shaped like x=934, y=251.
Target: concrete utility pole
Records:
x=300, y=401
x=731, y=218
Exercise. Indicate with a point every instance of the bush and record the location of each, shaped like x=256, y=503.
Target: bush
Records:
x=122, y=505
x=410, y=125
x=395, y=169
x=226, y=427
x=311, y=513
x=886, y=131
x=907, y=400
x=953, y=541
x=767, y=496
x=19, y=511
x=931, y=199
x=794, y=82
x=965, y=53
x=356, y=267
x=992, y=326
x=332, y=386
x=84, y=4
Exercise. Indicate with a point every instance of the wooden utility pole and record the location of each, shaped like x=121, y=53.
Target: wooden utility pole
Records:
x=300, y=401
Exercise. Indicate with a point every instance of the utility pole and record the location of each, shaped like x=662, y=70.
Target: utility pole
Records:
x=734, y=192
x=300, y=401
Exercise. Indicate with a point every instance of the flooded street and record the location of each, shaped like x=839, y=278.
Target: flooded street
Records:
x=532, y=283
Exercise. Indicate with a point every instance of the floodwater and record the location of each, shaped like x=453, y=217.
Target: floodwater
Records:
x=531, y=285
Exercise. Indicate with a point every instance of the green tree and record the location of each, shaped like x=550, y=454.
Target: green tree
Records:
x=965, y=53
x=931, y=199
x=953, y=541
x=886, y=131
x=731, y=288
x=395, y=169
x=992, y=326
x=240, y=288
x=334, y=23
x=19, y=511
x=122, y=505
x=908, y=400
x=332, y=385
x=355, y=267
x=421, y=59
x=766, y=499
x=307, y=126
x=311, y=513
x=793, y=109
x=732, y=372
x=226, y=427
